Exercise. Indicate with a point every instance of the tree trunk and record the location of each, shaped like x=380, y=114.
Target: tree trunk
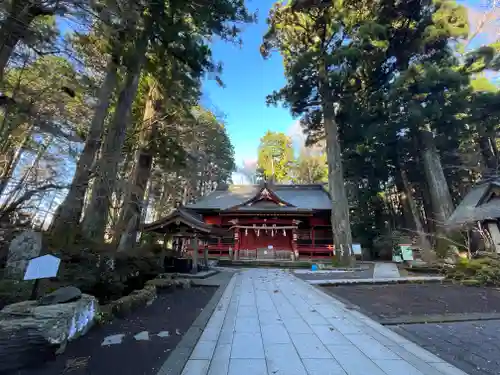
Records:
x=427, y=253
x=404, y=205
x=19, y=186
x=341, y=226
x=134, y=203
x=489, y=153
x=442, y=203
x=96, y=216
x=9, y=164
x=68, y=214
x=16, y=27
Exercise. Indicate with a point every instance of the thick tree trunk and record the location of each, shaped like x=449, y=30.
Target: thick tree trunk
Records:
x=134, y=203
x=341, y=226
x=442, y=204
x=68, y=215
x=427, y=253
x=96, y=216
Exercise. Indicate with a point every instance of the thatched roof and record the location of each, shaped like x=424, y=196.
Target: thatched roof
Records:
x=476, y=206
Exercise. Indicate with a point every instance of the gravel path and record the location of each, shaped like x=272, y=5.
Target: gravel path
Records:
x=474, y=347
x=396, y=300
x=138, y=345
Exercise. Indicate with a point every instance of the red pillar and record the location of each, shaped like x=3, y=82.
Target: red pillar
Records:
x=313, y=245
x=236, y=243
x=294, y=240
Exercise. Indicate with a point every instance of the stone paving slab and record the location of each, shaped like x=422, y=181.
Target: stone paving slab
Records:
x=271, y=323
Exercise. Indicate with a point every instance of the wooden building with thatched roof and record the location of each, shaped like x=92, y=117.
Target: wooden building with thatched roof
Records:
x=481, y=206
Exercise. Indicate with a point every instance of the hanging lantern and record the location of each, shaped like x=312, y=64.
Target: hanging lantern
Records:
x=246, y=232
x=284, y=233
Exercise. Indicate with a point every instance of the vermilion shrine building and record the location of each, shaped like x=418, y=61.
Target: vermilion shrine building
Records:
x=256, y=221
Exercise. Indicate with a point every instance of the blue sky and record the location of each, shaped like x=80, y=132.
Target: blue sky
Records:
x=249, y=78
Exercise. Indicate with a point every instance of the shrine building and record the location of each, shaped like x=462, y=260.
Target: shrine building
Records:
x=256, y=221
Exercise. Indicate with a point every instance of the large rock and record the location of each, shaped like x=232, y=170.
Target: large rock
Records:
x=56, y=323
x=24, y=347
x=62, y=295
x=24, y=247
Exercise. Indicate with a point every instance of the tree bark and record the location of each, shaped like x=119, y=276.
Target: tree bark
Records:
x=427, y=253
x=442, y=204
x=16, y=28
x=134, y=203
x=489, y=153
x=96, y=216
x=341, y=226
x=68, y=214
x=10, y=161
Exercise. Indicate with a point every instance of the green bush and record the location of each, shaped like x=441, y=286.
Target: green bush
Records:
x=12, y=291
x=480, y=271
x=102, y=272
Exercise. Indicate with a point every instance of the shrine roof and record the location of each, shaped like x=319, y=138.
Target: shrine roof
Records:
x=301, y=197
x=478, y=205
x=181, y=216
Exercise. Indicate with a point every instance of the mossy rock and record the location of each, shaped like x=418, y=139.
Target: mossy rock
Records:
x=471, y=282
x=127, y=304
x=163, y=284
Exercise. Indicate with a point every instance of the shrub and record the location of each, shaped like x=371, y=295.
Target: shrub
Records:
x=102, y=272
x=12, y=291
x=479, y=271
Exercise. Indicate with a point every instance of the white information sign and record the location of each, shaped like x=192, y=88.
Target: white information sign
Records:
x=356, y=249
x=42, y=267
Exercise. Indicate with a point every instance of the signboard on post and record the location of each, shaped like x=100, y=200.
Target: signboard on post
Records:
x=356, y=249
x=43, y=267
x=402, y=253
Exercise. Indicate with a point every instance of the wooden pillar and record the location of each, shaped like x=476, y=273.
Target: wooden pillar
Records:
x=194, y=245
x=313, y=244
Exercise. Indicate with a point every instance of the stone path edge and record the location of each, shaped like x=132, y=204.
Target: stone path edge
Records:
x=402, y=280
x=439, y=318
x=177, y=359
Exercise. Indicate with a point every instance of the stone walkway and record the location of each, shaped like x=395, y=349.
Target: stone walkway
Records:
x=385, y=270
x=269, y=322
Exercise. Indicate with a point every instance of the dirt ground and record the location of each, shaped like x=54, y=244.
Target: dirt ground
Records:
x=172, y=312
x=396, y=300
